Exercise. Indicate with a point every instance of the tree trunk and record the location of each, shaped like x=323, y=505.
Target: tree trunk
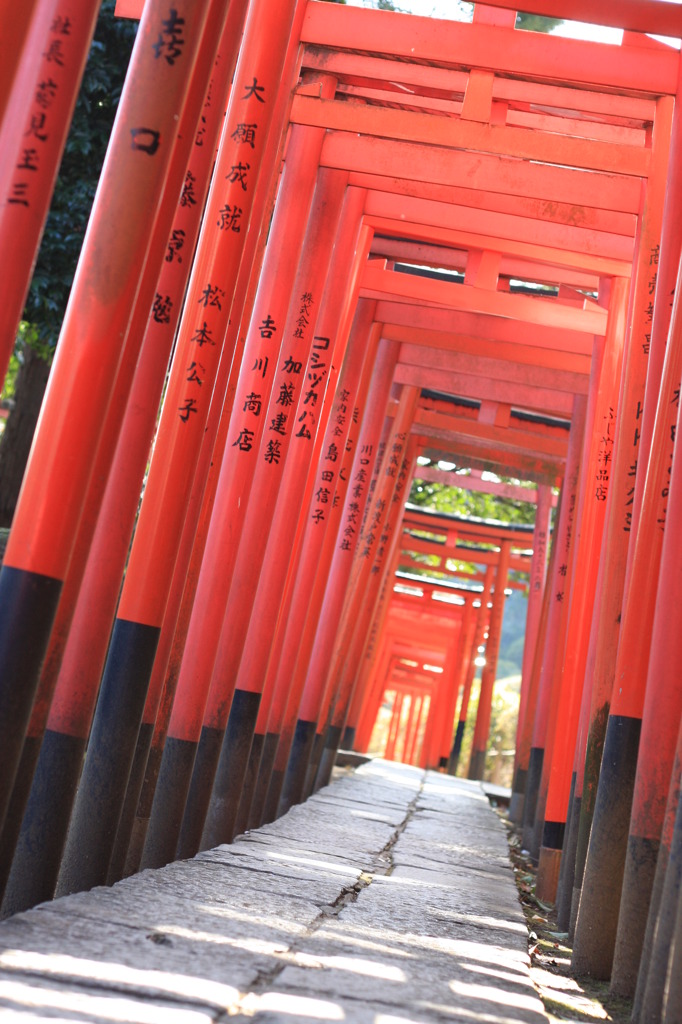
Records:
x=18, y=435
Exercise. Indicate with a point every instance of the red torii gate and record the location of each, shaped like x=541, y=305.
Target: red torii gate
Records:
x=537, y=178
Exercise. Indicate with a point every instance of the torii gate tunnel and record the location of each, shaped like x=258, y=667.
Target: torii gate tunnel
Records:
x=367, y=243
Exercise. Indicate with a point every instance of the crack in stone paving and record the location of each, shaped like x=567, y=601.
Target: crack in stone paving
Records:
x=348, y=895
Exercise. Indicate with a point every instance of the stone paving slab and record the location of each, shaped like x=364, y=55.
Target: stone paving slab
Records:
x=387, y=898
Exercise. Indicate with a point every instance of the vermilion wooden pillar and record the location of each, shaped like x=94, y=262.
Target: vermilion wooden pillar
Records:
x=599, y=477
x=660, y=951
x=207, y=310
x=292, y=646
x=267, y=357
x=560, y=583
x=18, y=50
x=380, y=536
x=190, y=551
x=279, y=482
x=524, y=735
x=384, y=570
x=87, y=360
x=35, y=122
x=370, y=708
x=603, y=636
x=78, y=644
x=331, y=583
x=478, y=637
x=275, y=607
x=653, y=695
x=551, y=813
x=555, y=726
x=598, y=915
x=479, y=745
x=538, y=575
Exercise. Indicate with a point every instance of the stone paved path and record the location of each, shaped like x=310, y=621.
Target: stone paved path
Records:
x=386, y=899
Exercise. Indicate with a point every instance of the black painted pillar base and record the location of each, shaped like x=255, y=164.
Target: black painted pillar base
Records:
x=117, y=865
x=327, y=758
x=143, y=812
x=29, y=604
x=567, y=876
x=248, y=789
x=267, y=760
x=170, y=797
x=533, y=780
x=660, y=932
x=595, y=933
x=294, y=778
x=230, y=770
x=476, y=765
x=638, y=882
x=348, y=741
x=271, y=808
x=453, y=760
x=9, y=835
x=42, y=838
x=109, y=757
x=518, y=796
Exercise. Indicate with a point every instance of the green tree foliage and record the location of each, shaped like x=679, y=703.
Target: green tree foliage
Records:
x=453, y=499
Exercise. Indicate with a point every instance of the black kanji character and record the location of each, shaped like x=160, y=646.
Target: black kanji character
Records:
x=245, y=440
x=278, y=424
x=229, y=218
x=194, y=377
x=147, y=140
x=267, y=327
x=291, y=366
x=29, y=160
x=188, y=196
x=175, y=244
x=170, y=42
x=252, y=403
x=286, y=395
x=189, y=407
x=211, y=296
x=254, y=90
x=245, y=134
x=273, y=452
x=36, y=127
x=202, y=336
x=161, y=310
x=238, y=173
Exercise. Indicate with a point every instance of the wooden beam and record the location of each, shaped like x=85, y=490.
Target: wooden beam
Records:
x=470, y=452
x=553, y=403
x=540, y=121
x=404, y=250
x=485, y=532
x=510, y=371
x=663, y=19
x=523, y=143
x=407, y=77
x=487, y=171
x=540, y=210
x=471, y=482
x=424, y=324
x=435, y=233
x=502, y=225
x=506, y=51
x=377, y=283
